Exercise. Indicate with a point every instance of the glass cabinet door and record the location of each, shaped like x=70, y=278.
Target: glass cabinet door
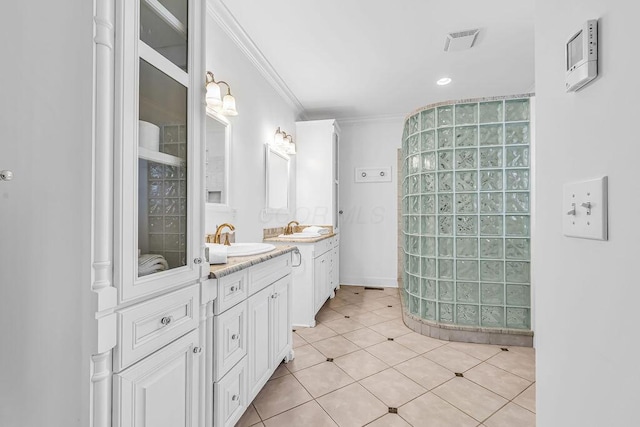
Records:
x=162, y=172
x=163, y=27
x=159, y=91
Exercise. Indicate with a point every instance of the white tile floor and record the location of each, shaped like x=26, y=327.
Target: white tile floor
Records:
x=378, y=363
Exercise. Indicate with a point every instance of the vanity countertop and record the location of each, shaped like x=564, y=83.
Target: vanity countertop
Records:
x=303, y=240
x=241, y=262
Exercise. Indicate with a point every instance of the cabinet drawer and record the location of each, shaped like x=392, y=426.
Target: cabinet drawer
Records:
x=264, y=274
x=231, y=290
x=321, y=247
x=230, y=396
x=230, y=339
x=152, y=324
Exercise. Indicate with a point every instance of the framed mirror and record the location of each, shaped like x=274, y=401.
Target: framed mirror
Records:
x=277, y=180
x=218, y=142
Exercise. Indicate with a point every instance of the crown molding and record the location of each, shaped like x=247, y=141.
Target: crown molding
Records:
x=225, y=19
x=367, y=119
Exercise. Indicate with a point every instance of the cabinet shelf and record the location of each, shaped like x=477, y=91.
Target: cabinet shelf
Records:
x=158, y=157
x=164, y=14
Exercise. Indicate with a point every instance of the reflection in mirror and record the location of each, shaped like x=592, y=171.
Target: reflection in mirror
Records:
x=277, y=180
x=217, y=153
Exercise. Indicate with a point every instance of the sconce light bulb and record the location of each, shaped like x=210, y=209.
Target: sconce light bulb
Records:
x=229, y=105
x=213, y=95
x=278, y=138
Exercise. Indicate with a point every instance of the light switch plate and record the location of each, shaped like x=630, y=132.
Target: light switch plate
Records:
x=584, y=206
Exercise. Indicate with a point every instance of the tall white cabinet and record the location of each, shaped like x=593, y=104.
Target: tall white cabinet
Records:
x=158, y=205
x=317, y=177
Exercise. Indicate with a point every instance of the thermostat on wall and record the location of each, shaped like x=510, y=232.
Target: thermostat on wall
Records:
x=582, y=56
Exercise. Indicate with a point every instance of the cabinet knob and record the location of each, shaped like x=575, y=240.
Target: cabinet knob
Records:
x=166, y=320
x=197, y=350
x=235, y=336
x=197, y=261
x=235, y=397
x=232, y=289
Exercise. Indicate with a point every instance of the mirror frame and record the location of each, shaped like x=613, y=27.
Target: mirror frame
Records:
x=270, y=150
x=226, y=206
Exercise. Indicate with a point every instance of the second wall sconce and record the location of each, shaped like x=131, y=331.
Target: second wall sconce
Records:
x=226, y=105
x=284, y=142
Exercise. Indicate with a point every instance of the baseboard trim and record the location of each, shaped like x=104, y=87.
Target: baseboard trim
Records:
x=387, y=282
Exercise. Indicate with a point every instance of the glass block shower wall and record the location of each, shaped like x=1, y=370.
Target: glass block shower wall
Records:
x=466, y=214
x=166, y=223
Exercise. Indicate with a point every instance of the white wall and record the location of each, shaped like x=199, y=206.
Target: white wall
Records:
x=45, y=212
x=368, y=227
x=587, y=291
x=260, y=111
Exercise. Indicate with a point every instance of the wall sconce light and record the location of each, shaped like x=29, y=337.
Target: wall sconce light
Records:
x=225, y=105
x=284, y=142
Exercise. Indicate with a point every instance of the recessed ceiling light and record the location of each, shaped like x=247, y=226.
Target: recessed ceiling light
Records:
x=444, y=81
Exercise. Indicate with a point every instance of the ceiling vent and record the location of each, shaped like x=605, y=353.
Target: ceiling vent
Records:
x=461, y=40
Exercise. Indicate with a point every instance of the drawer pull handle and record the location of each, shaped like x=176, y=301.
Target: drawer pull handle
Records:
x=197, y=350
x=235, y=336
x=235, y=397
x=166, y=320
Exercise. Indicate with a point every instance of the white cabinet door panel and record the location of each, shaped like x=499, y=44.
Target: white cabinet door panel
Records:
x=259, y=360
x=281, y=319
x=162, y=390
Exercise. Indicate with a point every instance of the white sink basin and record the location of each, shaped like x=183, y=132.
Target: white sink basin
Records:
x=299, y=236
x=246, y=249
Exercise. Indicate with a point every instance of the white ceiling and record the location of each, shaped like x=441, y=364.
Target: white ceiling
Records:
x=370, y=58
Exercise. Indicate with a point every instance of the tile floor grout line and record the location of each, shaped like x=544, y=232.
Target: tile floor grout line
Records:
x=451, y=403
x=315, y=399
x=516, y=403
x=520, y=376
x=486, y=388
x=406, y=376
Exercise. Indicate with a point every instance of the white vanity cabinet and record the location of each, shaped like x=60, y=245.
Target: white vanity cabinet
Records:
x=248, y=335
x=314, y=278
x=317, y=171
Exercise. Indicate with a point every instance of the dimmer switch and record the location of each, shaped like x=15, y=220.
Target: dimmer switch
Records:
x=584, y=209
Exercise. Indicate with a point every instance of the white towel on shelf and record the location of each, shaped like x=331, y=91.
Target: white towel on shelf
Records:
x=151, y=263
x=315, y=229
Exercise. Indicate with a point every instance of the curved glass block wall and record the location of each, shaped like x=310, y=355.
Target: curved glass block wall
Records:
x=466, y=214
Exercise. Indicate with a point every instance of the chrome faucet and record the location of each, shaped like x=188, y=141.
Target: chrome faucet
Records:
x=289, y=228
x=216, y=237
